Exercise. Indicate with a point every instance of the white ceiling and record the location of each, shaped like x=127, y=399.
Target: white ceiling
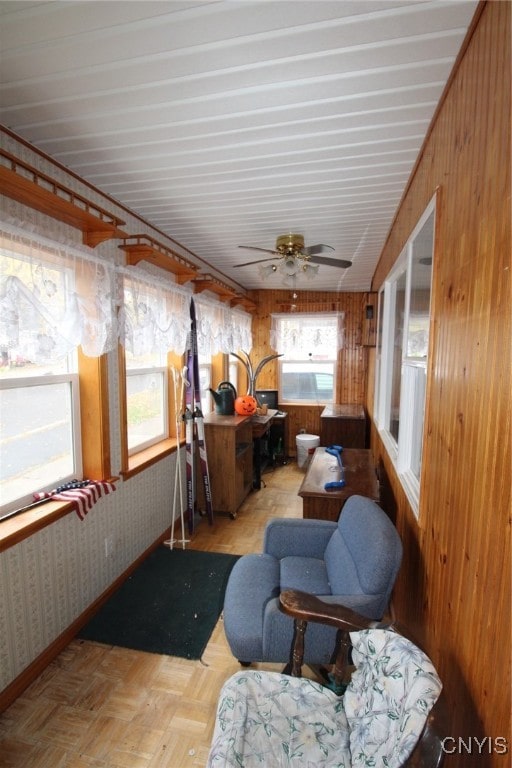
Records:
x=226, y=123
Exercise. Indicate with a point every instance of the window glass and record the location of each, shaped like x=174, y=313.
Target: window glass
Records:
x=233, y=372
x=312, y=381
x=37, y=425
x=146, y=399
x=398, y=336
x=309, y=345
x=419, y=305
x=205, y=382
x=146, y=396
x=402, y=354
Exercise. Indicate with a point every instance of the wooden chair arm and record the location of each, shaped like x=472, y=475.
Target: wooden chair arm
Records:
x=306, y=607
x=303, y=607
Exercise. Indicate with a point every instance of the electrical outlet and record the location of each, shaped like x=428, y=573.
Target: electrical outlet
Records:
x=109, y=546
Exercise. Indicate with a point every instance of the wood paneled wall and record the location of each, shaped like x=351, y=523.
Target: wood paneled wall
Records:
x=352, y=359
x=454, y=586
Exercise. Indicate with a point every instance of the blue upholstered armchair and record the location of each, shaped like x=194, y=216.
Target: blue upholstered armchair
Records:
x=353, y=562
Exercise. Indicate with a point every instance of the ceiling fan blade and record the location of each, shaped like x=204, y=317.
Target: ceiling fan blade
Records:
x=255, y=248
x=343, y=263
x=318, y=248
x=258, y=261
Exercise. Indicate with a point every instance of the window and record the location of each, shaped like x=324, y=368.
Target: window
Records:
x=53, y=299
x=40, y=426
x=402, y=353
x=309, y=344
x=153, y=323
x=146, y=401
x=233, y=372
x=205, y=382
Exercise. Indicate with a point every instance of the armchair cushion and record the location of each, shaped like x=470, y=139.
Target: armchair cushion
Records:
x=254, y=581
x=364, y=554
x=286, y=536
x=304, y=573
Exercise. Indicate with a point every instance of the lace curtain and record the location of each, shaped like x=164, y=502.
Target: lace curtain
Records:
x=155, y=317
x=53, y=297
x=305, y=336
x=220, y=328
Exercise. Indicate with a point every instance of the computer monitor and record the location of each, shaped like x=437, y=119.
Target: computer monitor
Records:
x=267, y=397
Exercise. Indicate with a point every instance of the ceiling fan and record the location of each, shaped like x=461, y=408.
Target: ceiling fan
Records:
x=291, y=250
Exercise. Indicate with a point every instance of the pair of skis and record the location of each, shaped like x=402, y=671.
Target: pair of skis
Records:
x=194, y=424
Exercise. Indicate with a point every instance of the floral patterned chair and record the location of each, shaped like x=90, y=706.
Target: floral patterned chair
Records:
x=268, y=720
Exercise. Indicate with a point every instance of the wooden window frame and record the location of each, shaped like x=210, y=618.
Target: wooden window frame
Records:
x=405, y=451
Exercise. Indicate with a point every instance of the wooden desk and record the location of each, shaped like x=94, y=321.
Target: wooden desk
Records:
x=360, y=478
x=229, y=446
x=260, y=426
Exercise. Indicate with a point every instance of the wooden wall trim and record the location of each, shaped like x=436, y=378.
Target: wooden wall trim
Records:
x=454, y=590
x=462, y=52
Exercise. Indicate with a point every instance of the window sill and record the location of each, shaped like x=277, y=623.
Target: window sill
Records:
x=15, y=529
x=137, y=462
x=19, y=527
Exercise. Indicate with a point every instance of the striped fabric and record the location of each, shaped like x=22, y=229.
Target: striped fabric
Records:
x=83, y=499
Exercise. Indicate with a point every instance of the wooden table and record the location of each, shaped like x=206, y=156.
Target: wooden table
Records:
x=343, y=425
x=360, y=478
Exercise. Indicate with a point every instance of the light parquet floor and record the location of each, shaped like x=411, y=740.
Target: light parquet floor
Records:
x=98, y=706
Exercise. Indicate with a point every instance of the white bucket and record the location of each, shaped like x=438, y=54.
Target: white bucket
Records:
x=306, y=445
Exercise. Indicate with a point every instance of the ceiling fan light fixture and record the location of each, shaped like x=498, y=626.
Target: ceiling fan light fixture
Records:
x=290, y=244
x=266, y=270
x=291, y=258
x=310, y=270
x=289, y=266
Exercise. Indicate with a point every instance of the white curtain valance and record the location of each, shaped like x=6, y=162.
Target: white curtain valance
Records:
x=153, y=315
x=307, y=335
x=221, y=328
x=53, y=297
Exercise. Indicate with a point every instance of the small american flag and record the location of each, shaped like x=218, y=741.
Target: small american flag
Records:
x=83, y=499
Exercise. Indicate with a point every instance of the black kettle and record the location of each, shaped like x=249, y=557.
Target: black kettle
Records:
x=224, y=398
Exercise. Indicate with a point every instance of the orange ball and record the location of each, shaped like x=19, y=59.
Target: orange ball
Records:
x=246, y=405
